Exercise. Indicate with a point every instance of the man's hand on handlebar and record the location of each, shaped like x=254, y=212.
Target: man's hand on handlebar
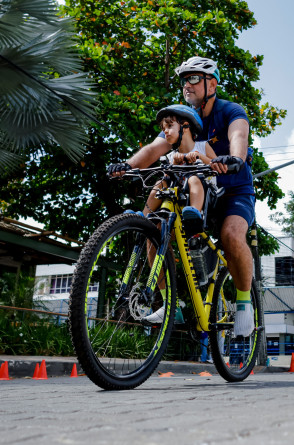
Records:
x=227, y=164
x=118, y=170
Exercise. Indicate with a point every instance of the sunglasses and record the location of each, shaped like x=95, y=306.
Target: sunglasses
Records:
x=193, y=80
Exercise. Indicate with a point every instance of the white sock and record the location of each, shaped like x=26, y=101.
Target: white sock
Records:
x=244, y=321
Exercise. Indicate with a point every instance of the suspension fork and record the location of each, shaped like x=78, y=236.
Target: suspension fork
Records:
x=139, y=245
x=166, y=228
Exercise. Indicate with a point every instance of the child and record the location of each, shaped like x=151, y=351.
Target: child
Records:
x=180, y=125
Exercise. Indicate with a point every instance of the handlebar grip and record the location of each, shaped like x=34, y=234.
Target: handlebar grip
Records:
x=233, y=168
x=233, y=163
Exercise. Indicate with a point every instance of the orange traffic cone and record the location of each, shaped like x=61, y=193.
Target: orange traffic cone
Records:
x=165, y=374
x=4, y=371
x=292, y=363
x=204, y=374
x=42, y=374
x=251, y=373
x=241, y=365
x=36, y=372
x=228, y=364
x=74, y=372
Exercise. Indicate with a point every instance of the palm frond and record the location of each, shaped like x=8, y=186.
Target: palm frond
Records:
x=9, y=161
x=19, y=18
x=33, y=129
x=43, y=95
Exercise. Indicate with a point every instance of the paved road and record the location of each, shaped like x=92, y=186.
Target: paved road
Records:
x=182, y=409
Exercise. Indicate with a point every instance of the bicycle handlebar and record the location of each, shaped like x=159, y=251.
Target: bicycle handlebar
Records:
x=202, y=169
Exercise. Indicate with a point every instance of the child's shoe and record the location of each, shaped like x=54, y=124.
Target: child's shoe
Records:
x=192, y=221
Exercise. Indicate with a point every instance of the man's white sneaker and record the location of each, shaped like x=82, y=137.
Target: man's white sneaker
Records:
x=155, y=318
x=244, y=321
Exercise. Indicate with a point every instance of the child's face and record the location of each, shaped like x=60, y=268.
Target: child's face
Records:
x=171, y=129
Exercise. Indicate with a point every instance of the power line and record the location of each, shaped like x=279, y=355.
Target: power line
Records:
x=279, y=153
x=273, y=169
x=277, y=146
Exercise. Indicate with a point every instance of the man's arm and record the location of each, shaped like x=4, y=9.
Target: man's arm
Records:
x=142, y=159
x=238, y=132
x=238, y=136
x=150, y=153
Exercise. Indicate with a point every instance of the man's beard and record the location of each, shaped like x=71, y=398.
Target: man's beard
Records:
x=193, y=100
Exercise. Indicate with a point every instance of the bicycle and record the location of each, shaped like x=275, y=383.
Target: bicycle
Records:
x=131, y=257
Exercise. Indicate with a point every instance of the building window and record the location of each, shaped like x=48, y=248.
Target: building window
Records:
x=60, y=284
x=273, y=345
x=284, y=271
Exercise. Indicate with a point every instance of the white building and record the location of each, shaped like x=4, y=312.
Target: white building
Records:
x=278, y=284
x=53, y=287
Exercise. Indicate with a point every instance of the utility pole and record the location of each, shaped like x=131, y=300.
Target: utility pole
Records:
x=262, y=355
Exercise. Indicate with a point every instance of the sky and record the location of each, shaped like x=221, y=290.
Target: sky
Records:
x=272, y=37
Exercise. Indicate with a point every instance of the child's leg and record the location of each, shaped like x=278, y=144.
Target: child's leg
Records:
x=152, y=202
x=193, y=222
x=196, y=192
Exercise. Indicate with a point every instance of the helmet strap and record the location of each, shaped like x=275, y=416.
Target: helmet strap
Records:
x=177, y=144
x=205, y=99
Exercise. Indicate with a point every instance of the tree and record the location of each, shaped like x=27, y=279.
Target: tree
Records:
x=40, y=85
x=286, y=219
x=132, y=48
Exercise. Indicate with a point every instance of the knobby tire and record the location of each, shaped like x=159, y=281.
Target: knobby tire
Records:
x=234, y=358
x=115, y=350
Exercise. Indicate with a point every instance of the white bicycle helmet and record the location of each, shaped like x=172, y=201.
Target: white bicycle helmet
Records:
x=198, y=64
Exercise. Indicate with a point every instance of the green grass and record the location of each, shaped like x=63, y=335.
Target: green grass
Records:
x=34, y=338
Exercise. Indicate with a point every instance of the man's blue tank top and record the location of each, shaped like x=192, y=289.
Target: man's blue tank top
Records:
x=215, y=131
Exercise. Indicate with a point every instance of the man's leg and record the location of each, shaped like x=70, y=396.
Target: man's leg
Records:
x=240, y=265
x=237, y=252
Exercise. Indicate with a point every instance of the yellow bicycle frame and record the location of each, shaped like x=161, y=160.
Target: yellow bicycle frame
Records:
x=202, y=309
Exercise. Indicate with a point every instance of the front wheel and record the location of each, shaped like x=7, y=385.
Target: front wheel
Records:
x=115, y=349
x=234, y=358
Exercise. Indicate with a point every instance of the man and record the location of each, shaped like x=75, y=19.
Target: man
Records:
x=226, y=127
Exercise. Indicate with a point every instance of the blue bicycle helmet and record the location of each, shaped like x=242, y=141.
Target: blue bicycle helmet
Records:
x=182, y=112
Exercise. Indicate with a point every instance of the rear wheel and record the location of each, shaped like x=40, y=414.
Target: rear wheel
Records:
x=234, y=358
x=114, y=348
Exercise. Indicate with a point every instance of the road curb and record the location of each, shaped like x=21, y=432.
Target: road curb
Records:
x=24, y=366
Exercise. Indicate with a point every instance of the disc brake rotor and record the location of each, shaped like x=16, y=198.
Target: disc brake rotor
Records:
x=138, y=309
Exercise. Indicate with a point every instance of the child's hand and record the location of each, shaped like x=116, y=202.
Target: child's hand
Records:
x=178, y=158
x=192, y=156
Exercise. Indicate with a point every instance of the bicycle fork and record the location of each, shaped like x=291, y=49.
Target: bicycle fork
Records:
x=166, y=228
